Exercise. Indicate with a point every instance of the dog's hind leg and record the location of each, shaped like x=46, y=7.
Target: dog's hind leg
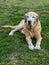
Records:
x=17, y=28
x=22, y=31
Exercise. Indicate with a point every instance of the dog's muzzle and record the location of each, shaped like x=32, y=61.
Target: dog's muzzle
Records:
x=29, y=23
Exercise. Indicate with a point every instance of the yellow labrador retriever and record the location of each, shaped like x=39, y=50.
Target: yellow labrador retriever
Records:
x=30, y=26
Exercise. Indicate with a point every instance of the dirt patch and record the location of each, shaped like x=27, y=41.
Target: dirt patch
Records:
x=13, y=58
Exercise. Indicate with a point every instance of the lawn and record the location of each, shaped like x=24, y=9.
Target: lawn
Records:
x=13, y=49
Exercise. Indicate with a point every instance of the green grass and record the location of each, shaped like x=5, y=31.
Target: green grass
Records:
x=13, y=49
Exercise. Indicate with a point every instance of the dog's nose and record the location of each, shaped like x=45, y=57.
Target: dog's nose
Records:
x=29, y=22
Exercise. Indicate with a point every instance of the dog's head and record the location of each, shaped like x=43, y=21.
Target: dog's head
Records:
x=31, y=18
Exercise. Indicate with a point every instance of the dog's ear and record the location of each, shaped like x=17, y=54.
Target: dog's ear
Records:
x=37, y=18
x=25, y=18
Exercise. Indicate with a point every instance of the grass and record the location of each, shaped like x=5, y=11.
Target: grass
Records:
x=13, y=49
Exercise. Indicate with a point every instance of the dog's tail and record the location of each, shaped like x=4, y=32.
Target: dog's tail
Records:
x=8, y=26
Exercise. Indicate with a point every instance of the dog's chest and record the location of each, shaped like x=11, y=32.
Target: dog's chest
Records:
x=30, y=31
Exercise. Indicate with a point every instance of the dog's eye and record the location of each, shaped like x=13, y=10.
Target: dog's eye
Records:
x=27, y=16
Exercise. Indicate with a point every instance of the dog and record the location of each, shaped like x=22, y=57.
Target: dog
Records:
x=30, y=26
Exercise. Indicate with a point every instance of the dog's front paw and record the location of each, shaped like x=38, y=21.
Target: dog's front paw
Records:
x=31, y=47
x=38, y=47
x=10, y=34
